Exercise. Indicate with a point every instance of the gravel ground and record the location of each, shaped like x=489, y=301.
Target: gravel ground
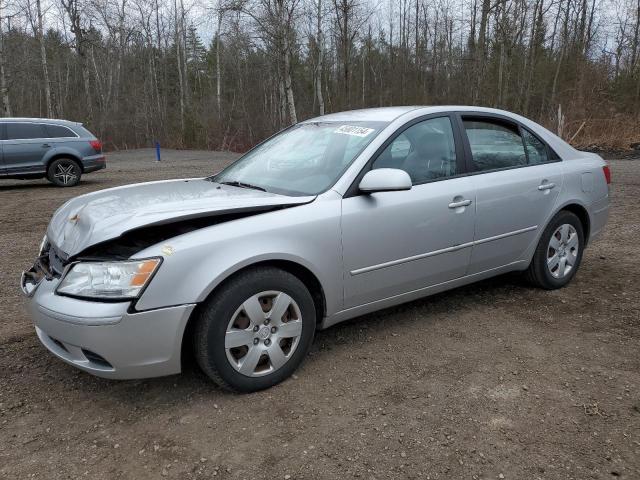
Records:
x=493, y=380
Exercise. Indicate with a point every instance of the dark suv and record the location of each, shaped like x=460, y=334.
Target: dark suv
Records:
x=59, y=150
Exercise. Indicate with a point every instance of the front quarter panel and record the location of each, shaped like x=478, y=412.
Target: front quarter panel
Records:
x=195, y=263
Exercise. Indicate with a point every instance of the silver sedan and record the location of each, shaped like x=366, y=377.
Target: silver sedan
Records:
x=332, y=218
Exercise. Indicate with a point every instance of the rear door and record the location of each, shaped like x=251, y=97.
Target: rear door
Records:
x=25, y=147
x=517, y=180
x=397, y=242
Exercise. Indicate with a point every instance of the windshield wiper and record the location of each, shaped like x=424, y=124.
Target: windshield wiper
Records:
x=235, y=183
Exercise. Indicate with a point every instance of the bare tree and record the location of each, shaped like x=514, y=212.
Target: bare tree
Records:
x=319, y=41
x=4, y=90
x=349, y=18
x=137, y=71
x=275, y=21
x=74, y=12
x=34, y=17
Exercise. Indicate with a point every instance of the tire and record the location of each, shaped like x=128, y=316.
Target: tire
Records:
x=64, y=172
x=547, y=269
x=231, y=333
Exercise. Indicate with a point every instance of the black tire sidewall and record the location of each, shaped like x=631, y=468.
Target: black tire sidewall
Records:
x=544, y=275
x=52, y=167
x=211, y=354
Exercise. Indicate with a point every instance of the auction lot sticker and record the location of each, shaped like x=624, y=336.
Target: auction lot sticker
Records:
x=355, y=131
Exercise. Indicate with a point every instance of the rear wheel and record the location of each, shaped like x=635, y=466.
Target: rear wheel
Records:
x=559, y=252
x=256, y=330
x=64, y=172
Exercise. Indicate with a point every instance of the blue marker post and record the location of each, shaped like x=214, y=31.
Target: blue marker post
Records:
x=157, y=151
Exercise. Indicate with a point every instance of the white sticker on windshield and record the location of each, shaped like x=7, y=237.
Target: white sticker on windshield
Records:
x=355, y=131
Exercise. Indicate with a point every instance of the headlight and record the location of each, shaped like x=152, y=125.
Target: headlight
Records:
x=108, y=280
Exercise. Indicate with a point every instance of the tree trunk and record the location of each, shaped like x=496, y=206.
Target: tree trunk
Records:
x=480, y=48
x=288, y=86
x=565, y=38
x=43, y=60
x=73, y=11
x=185, y=69
x=346, y=53
x=500, y=76
x=536, y=24
x=84, y=62
x=4, y=90
x=319, y=65
x=218, y=72
x=636, y=38
x=178, y=41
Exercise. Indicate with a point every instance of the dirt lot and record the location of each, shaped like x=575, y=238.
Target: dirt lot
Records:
x=494, y=380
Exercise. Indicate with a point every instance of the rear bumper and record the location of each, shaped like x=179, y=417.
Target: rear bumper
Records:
x=93, y=163
x=107, y=340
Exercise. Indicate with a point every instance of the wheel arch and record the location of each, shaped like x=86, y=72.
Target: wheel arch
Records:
x=57, y=155
x=583, y=215
x=573, y=206
x=306, y=276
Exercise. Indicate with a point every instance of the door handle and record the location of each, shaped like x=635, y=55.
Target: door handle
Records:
x=46, y=145
x=461, y=203
x=546, y=186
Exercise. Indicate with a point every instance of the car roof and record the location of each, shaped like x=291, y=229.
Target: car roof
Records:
x=39, y=120
x=388, y=114
x=382, y=114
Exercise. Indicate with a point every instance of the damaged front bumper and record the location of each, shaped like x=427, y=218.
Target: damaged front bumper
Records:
x=107, y=339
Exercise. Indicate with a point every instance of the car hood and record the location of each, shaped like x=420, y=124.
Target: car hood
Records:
x=100, y=216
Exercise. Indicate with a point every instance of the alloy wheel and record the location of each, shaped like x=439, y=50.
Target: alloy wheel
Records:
x=263, y=333
x=66, y=173
x=562, y=252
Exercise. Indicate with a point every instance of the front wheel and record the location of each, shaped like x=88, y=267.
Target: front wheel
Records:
x=256, y=330
x=64, y=172
x=559, y=252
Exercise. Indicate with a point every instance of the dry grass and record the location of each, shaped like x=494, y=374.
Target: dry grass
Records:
x=620, y=133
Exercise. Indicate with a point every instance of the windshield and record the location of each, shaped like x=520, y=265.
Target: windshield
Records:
x=306, y=159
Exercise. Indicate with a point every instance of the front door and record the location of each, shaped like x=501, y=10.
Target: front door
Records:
x=397, y=242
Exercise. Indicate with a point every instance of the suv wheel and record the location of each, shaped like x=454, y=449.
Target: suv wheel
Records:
x=256, y=330
x=559, y=252
x=64, y=172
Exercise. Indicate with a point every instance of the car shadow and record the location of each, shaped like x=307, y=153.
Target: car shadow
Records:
x=464, y=298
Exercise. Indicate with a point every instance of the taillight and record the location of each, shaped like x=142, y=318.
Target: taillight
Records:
x=607, y=174
x=96, y=145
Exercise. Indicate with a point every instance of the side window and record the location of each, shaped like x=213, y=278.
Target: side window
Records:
x=25, y=131
x=426, y=151
x=494, y=145
x=536, y=150
x=58, y=131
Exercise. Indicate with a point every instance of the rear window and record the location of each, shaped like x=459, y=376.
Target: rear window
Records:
x=82, y=131
x=25, y=131
x=58, y=131
x=494, y=145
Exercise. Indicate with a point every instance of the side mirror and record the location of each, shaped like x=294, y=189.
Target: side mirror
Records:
x=385, y=180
